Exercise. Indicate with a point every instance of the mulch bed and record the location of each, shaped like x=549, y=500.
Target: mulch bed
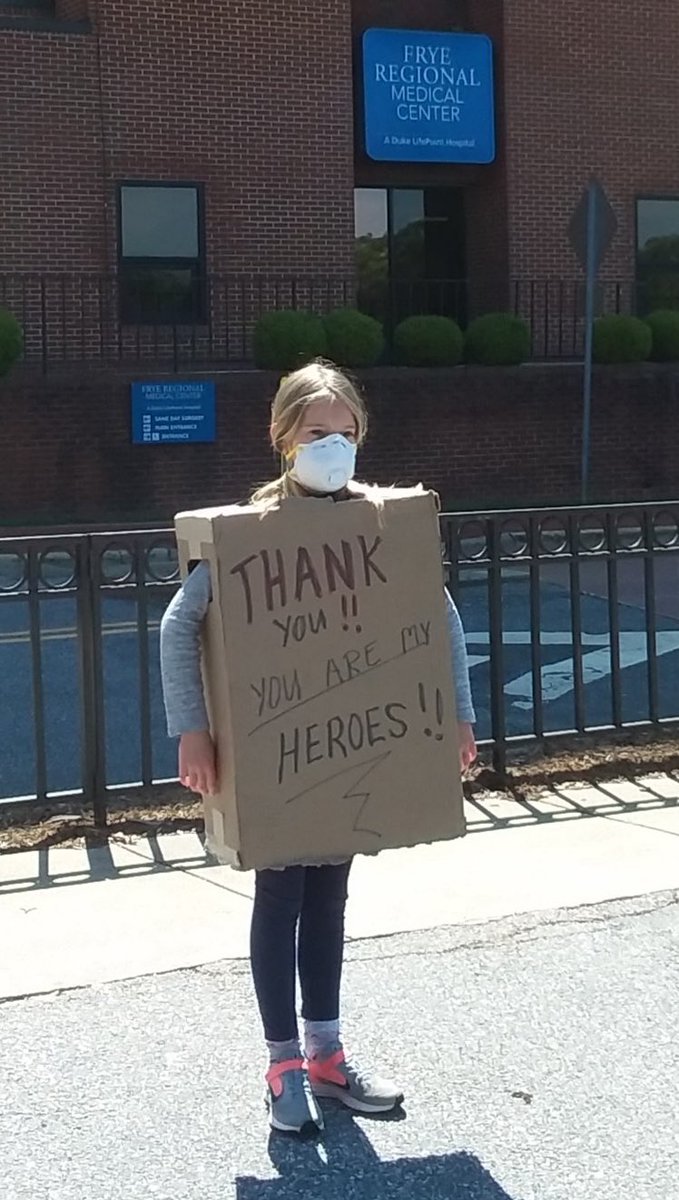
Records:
x=528, y=772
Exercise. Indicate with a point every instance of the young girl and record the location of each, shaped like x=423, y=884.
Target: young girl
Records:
x=318, y=421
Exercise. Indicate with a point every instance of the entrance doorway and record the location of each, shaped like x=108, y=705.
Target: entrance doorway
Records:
x=410, y=252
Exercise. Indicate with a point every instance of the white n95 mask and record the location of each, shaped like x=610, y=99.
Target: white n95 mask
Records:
x=326, y=465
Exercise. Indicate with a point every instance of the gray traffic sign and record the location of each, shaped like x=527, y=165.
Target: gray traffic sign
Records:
x=605, y=224
x=592, y=229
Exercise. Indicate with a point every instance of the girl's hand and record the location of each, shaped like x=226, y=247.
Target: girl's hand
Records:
x=198, y=762
x=467, y=742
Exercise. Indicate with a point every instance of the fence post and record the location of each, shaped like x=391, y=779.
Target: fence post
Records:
x=497, y=707
x=91, y=684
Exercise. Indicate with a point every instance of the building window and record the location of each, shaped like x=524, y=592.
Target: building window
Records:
x=657, y=254
x=161, y=254
x=410, y=252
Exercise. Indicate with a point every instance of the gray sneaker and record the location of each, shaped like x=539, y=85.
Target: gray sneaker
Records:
x=334, y=1078
x=291, y=1103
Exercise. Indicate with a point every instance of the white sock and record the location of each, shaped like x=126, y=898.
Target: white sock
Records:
x=283, y=1051
x=321, y=1037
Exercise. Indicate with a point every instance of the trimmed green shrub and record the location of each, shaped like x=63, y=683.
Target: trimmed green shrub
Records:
x=621, y=339
x=664, y=326
x=354, y=339
x=287, y=339
x=658, y=281
x=428, y=342
x=11, y=340
x=497, y=340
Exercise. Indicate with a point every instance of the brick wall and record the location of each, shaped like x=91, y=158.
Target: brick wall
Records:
x=588, y=88
x=405, y=14
x=72, y=10
x=244, y=97
x=51, y=199
x=249, y=99
x=481, y=438
x=485, y=186
x=255, y=106
x=486, y=200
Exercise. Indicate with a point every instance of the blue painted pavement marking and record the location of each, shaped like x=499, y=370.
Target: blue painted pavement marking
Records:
x=121, y=675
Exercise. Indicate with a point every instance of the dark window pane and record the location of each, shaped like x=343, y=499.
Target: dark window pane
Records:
x=417, y=265
x=658, y=254
x=407, y=214
x=445, y=252
x=159, y=222
x=370, y=212
x=445, y=237
x=657, y=219
x=372, y=251
x=154, y=295
x=428, y=252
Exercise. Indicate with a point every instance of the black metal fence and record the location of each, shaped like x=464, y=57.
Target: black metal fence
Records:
x=571, y=619
x=80, y=701
x=104, y=319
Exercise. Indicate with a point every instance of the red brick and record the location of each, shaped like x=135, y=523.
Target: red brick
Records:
x=482, y=438
x=255, y=100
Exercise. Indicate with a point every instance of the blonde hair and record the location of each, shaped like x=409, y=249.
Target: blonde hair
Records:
x=318, y=380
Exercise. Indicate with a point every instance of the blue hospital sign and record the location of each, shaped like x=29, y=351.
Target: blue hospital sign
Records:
x=428, y=96
x=173, y=412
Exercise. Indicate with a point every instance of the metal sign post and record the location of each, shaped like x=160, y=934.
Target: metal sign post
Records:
x=592, y=230
x=591, y=274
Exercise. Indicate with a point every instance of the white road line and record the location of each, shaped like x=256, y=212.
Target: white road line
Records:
x=55, y=635
x=557, y=678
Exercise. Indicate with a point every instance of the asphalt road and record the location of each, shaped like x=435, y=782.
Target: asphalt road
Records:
x=121, y=670
x=539, y=1057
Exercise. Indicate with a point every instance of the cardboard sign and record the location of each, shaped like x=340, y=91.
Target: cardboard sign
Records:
x=328, y=674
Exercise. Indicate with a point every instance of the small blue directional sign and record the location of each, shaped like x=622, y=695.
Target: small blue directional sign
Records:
x=173, y=411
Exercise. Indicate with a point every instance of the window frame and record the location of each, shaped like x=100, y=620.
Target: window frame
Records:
x=642, y=303
x=641, y=198
x=196, y=266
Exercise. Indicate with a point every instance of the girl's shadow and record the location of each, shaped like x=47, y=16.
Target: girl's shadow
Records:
x=342, y=1163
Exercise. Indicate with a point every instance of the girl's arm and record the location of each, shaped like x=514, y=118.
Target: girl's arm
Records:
x=180, y=654
x=465, y=705
x=182, y=682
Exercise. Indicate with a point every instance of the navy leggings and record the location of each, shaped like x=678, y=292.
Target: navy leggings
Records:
x=313, y=899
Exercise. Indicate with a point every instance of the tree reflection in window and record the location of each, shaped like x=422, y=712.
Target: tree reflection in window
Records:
x=657, y=254
x=410, y=252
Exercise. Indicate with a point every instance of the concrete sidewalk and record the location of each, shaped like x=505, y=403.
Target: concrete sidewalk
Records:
x=74, y=917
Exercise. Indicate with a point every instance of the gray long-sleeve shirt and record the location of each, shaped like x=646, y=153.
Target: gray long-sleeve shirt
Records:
x=180, y=656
